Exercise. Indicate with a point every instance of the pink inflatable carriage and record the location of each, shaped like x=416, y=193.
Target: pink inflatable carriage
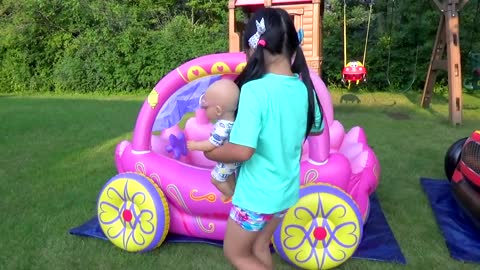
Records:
x=162, y=188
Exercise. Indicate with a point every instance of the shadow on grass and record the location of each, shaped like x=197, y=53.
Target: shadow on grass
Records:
x=415, y=98
x=442, y=98
x=471, y=101
x=403, y=112
x=387, y=107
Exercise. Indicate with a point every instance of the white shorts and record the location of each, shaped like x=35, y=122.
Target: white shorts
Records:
x=222, y=171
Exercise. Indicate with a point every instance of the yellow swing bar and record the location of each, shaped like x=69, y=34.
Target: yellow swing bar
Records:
x=368, y=30
x=345, y=33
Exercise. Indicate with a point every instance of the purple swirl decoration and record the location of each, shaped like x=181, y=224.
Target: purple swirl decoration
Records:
x=140, y=221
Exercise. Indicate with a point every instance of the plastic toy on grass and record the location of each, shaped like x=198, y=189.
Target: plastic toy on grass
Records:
x=161, y=188
x=462, y=166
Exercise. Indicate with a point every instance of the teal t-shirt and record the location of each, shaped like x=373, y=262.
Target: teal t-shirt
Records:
x=271, y=118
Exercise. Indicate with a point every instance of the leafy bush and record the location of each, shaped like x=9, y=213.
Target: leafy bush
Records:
x=103, y=46
x=128, y=45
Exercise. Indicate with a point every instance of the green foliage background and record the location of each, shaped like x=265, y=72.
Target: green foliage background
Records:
x=128, y=45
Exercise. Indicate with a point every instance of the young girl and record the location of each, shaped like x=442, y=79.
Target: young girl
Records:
x=276, y=111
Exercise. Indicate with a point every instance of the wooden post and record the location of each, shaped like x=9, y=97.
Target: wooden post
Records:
x=454, y=63
x=233, y=35
x=317, y=45
x=447, y=41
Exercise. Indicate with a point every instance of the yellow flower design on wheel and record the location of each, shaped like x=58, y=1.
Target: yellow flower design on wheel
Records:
x=133, y=212
x=321, y=231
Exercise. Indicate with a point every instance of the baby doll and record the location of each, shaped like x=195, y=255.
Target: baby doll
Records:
x=220, y=102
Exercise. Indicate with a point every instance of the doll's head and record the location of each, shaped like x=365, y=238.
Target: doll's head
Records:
x=220, y=100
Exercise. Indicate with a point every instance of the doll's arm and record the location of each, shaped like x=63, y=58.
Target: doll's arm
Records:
x=205, y=145
x=230, y=152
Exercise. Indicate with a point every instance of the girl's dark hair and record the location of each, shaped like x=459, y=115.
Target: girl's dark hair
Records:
x=280, y=38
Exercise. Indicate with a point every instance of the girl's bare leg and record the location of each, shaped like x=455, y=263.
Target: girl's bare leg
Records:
x=261, y=247
x=238, y=247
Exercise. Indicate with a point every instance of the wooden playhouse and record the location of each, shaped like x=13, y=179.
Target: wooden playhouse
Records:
x=307, y=15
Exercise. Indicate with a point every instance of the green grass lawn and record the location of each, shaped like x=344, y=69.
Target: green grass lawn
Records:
x=56, y=153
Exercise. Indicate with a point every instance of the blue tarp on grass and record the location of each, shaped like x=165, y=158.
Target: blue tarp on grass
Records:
x=461, y=235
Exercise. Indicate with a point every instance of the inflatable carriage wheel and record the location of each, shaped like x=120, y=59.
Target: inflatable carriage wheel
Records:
x=321, y=231
x=133, y=212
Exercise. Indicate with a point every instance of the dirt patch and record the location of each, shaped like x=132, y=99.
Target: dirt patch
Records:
x=398, y=115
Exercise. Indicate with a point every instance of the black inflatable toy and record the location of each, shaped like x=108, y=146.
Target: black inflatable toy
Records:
x=462, y=167
x=453, y=157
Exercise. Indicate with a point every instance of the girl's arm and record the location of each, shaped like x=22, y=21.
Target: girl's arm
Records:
x=230, y=152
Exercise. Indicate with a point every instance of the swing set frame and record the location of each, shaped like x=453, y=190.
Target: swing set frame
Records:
x=447, y=42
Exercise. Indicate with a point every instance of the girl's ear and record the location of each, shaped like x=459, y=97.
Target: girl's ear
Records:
x=218, y=110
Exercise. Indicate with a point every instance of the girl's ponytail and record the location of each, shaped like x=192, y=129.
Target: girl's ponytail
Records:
x=254, y=69
x=300, y=66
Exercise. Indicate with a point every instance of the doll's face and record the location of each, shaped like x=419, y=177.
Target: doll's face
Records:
x=220, y=100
